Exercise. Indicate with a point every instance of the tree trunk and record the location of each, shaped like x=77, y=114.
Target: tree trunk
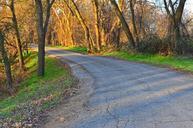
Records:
x=83, y=24
x=19, y=44
x=175, y=18
x=61, y=23
x=123, y=22
x=69, y=29
x=42, y=27
x=6, y=65
x=41, y=38
x=178, y=18
x=116, y=29
x=49, y=36
x=117, y=35
x=97, y=23
x=133, y=21
x=41, y=56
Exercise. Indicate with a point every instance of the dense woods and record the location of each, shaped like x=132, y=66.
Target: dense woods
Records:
x=140, y=26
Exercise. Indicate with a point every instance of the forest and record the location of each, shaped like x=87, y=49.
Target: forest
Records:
x=128, y=29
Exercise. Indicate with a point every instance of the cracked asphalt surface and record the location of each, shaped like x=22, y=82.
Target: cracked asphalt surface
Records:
x=128, y=95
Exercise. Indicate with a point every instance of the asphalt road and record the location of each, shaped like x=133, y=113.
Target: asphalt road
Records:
x=129, y=95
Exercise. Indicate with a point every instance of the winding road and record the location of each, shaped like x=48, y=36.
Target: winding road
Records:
x=121, y=94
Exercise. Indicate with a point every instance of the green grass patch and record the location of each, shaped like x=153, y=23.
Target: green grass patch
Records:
x=78, y=49
x=176, y=62
x=40, y=92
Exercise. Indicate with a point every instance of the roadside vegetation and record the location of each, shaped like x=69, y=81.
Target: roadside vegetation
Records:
x=77, y=49
x=82, y=50
x=36, y=94
x=183, y=63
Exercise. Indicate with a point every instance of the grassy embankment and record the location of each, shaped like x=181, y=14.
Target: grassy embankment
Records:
x=39, y=93
x=182, y=63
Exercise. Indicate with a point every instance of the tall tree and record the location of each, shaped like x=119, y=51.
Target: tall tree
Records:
x=123, y=22
x=175, y=10
x=6, y=64
x=42, y=26
x=132, y=3
x=73, y=7
x=15, y=25
x=116, y=28
x=97, y=23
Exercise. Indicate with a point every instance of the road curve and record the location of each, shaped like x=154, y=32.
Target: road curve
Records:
x=130, y=95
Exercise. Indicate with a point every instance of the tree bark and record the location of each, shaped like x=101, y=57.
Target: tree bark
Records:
x=83, y=24
x=116, y=28
x=178, y=18
x=124, y=23
x=6, y=65
x=97, y=23
x=19, y=44
x=175, y=18
x=41, y=38
x=133, y=21
x=42, y=27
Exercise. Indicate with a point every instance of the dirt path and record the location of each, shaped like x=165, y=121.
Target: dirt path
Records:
x=120, y=94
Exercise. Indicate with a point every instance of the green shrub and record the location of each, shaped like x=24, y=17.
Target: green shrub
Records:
x=184, y=46
x=151, y=44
